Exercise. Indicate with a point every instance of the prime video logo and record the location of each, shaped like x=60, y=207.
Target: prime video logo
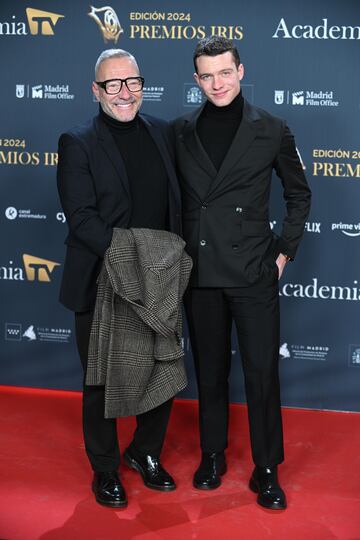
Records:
x=349, y=229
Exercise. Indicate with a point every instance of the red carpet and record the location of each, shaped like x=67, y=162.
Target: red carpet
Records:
x=45, y=478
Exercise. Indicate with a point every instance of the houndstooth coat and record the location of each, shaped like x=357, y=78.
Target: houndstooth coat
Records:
x=135, y=341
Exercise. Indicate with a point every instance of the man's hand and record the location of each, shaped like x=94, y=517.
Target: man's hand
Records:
x=281, y=261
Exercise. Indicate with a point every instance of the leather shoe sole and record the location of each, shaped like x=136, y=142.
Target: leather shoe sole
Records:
x=133, y=464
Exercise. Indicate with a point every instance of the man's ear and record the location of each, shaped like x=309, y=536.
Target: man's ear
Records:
x=95, y=90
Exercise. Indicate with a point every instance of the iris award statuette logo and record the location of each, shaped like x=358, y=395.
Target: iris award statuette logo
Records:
x=108, y=22
x=42, y=22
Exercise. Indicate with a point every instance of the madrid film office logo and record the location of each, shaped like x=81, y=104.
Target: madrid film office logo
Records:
x=34, y=269
x=308, y=98
x=108, y=22
x=40, y=23
x=44, y=91
x=36, y=91
x=296, y=98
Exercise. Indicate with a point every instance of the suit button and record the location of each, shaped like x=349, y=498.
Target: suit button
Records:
x=204, y=206
x=238, y=209
x=202, y=243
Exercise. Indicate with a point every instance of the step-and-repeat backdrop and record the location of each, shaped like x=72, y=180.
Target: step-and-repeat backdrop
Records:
x=302, y=63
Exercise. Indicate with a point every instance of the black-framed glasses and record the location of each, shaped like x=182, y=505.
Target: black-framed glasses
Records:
x=114, y=86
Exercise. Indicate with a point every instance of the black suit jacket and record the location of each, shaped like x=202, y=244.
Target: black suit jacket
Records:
x=94, y=192
x=226, y=212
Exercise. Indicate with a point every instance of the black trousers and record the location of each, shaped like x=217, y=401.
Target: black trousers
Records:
x=255, y=311
x=100, y=434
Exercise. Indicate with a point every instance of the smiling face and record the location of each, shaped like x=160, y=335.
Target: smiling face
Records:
x=124, y=105
x=219, y=78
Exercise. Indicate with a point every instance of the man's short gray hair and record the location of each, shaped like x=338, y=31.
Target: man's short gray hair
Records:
x=113, y=53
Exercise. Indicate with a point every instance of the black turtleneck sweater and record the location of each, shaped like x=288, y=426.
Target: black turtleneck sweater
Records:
x=146, y=172
x=217, y=126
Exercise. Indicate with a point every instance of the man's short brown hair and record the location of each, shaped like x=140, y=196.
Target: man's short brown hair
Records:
x=214, y=45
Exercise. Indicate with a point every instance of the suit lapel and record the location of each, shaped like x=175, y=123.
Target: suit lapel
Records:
x=108, y=144
x=194, y=146
x=244, y=137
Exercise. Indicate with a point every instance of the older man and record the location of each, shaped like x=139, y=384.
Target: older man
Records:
x=116, y=171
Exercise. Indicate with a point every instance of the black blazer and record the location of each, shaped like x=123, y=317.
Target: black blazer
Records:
x=226, y=212
x=95, y=196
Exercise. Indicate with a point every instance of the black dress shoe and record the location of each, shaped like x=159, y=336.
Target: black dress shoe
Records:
x=151, y=470
x=208, y=475
x=109, y=490
x=264, y=482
